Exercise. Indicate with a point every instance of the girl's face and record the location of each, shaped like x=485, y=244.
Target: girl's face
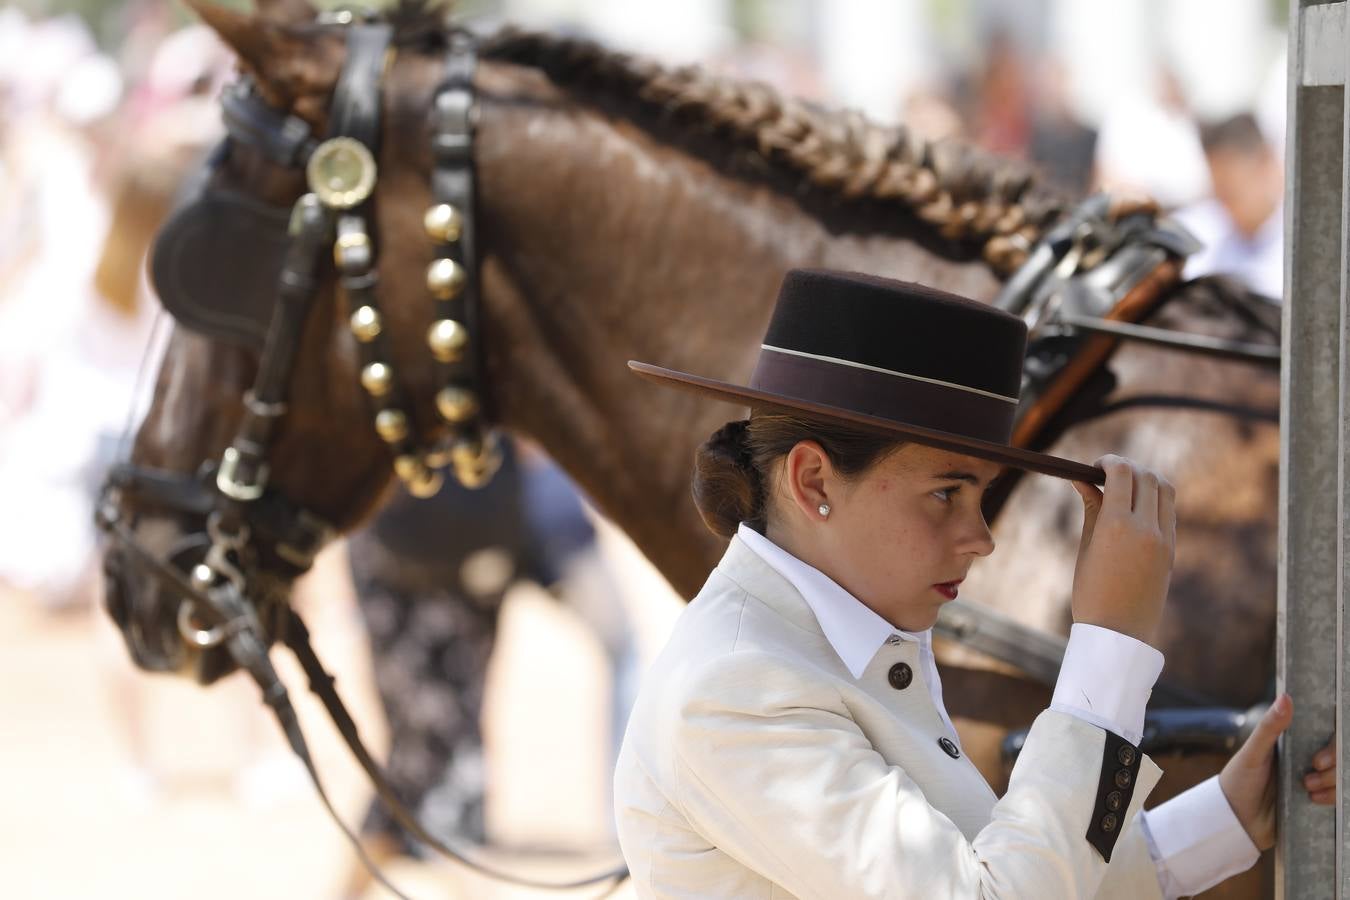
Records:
x=900, y=536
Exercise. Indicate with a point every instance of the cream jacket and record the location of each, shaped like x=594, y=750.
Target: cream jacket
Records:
x=756, y=766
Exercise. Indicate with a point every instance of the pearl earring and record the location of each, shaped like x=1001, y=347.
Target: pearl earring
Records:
x=824, y=510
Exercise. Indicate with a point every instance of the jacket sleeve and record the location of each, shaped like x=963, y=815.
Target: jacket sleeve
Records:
x=1133, y=873
x=772, y=769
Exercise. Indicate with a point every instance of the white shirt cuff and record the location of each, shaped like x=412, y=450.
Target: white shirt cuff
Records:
x=1196, y=840
x=1106, y=679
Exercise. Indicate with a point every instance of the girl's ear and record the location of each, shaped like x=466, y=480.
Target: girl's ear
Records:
x=294, y=66
x=807, y=472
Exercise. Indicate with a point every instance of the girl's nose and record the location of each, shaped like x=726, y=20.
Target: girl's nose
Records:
x=981, y=542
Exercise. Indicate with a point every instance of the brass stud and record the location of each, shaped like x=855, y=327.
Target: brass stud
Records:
x=474, y=477
x=438, y=457
x=405, y=467
x=424, y=483
x=447, y=339
x=376, y=378
x=466, y=453
x=445, y=279
x=392, y=425
x=475, y=462
x=443, y=223
x=352, y=253
x=456, y=405
x=366, y=324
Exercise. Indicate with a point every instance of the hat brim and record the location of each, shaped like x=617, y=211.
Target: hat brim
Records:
x=740, y=395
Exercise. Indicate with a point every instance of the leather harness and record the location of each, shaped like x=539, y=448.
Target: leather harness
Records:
x=263, y=305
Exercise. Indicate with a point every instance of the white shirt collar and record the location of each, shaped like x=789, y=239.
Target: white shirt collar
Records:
x=855, y=632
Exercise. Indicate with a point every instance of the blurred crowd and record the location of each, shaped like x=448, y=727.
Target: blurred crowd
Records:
x=95, y=142
x=1222, y=176
x=92, y=148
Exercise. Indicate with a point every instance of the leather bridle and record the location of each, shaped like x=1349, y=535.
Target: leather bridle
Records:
x=252, y=532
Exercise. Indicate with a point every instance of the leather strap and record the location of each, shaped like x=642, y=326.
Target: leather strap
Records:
x=321, y=683
x=356, y=98
x=281, y=137
x=296, y=535
x=1138, y=303
x=453, y=181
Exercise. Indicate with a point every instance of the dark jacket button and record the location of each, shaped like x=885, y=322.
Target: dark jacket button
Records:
x=1126, y=755
x=1114, y=800
x=1109, y=823
x=949, y=747
x=900, y=676
x=1124, y=779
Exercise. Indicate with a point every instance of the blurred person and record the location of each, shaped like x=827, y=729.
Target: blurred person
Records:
x=1151, y=145
x=64, y=356
x=78, y=321
x=1061, y=144
x=1002, y=110
x=430, y=577
x=1242, y=223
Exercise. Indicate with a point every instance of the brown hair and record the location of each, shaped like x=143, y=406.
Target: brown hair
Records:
x=1239, y=133
x=732, y=467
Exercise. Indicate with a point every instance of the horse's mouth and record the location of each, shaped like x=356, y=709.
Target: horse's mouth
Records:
x=154, y=643
x=147, y=613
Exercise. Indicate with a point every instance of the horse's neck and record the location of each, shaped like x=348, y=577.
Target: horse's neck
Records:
x=604, y=244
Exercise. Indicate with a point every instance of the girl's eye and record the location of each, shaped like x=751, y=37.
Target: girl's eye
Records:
x=945, y=494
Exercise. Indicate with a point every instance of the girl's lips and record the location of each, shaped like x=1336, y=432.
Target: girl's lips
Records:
x=948, y=589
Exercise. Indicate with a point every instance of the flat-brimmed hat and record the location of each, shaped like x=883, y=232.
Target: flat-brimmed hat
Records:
x=890, y=356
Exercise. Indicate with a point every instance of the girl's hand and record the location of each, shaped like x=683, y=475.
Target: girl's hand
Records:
x=1126, y=552
x=1248, y=780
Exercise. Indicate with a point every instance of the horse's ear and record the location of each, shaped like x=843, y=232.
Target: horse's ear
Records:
x=248, y=37
x=292, y=67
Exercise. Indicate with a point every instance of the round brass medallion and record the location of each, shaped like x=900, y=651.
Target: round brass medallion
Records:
x=341, y=172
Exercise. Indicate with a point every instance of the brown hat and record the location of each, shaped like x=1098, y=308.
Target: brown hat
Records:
x=891, y=356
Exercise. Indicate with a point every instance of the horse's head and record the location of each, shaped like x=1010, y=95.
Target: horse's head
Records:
x=288, y=395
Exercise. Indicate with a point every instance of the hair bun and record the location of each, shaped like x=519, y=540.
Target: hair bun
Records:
x=732, y=439
x=726, y=485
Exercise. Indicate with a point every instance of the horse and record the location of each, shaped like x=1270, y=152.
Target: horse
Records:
x=628, y=210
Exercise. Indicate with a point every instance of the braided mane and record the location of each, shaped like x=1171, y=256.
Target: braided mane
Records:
x=967, y=194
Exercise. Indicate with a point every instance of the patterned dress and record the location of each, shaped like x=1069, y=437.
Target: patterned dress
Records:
x=430, y=577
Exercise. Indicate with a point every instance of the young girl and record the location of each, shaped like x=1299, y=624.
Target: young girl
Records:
x=791, y=740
